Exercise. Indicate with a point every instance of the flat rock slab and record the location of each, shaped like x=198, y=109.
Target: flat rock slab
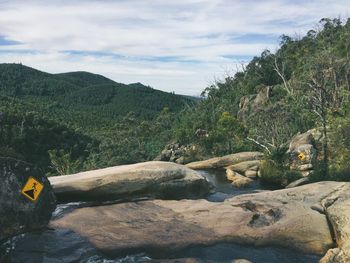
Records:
x=19, y=212
x=224, y=161
x=152, y=179
x=284, y=218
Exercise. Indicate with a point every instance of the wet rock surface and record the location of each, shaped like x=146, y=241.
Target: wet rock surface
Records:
x=237, y=179
x=18, y=213
x=159, y=227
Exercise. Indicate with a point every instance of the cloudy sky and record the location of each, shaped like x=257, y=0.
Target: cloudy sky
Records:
x=172, y=45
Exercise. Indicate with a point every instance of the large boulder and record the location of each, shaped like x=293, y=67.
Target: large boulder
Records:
x=237, y=179
x=294, y=218
x=26, y=198
x=243, y=167
x=337, y=209
x=149, y=179
x=302, y=152
x=224, y=161
x=250, y=104
x=177, y=153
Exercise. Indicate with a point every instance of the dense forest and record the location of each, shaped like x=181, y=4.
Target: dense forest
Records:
x=77, y=121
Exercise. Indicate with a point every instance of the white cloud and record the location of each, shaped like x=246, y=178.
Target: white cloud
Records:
x=207, y=31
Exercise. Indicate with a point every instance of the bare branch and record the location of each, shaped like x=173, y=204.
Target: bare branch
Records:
x=260, y=144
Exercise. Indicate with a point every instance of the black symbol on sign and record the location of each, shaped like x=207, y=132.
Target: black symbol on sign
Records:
x=31, y=191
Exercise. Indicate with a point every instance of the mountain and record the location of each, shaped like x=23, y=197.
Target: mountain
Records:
x=75, y=90
x=81, y=119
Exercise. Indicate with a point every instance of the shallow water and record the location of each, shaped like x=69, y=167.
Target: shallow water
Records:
x=223, y=189
x=64, y=246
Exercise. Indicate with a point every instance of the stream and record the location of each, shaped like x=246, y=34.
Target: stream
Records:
x=64, y=246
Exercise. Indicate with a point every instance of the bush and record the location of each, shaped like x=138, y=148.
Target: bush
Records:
x=336, y=173
x=278, y=175
x=271, y=173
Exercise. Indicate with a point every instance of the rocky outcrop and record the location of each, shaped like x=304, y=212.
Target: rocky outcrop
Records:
x=174, y=152
x=224, y=161
x=237, y=179
x=251, y=103
x=337, y=208
x=302, y=153
x=150, y=179
x=243, y=167
x=26, y=198
x=296, y=218
x=299, y=182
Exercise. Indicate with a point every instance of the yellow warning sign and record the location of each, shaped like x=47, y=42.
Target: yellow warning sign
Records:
x=32, y=189
x=301, y=156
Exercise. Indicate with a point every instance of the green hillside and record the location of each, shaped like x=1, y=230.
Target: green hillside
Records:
x=85, y=106
x=96, y=122
x=305, y=84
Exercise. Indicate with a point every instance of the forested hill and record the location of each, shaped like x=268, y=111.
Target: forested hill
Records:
x=74, y=121
x=81, y=90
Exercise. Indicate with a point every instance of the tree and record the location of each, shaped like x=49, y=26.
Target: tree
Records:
x=327, y=92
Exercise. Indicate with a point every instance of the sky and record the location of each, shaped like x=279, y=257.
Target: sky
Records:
x=179, y=46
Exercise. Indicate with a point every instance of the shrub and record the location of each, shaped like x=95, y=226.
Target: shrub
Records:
x=271, y=173
x=275, y=174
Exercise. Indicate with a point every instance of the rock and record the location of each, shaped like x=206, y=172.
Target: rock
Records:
x=174, y=152
x=251, y=103
x=177, y=260
x=18, y=213
x=241, y=261
x=181, y=160
x=220, y=162
x=337, y=209
x=237, y=179
x=244, y=166
x=302, y=152
x=201, y=133
x=149, y=179
x=306, y=173
x=251, y=173
x=299, y=182
x=300, y=139
x=304, y=167
x=283, y=218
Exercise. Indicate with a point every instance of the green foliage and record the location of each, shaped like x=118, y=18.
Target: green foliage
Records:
x=28, y=136
x=98, y=121
x=102, y=123
x=275, y=168
x=63, y=163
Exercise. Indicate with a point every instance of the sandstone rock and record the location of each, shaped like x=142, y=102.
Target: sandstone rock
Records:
x=151, y=179
x=244, y=166
x=178, y=260
x=302, y=152
x=237, y=179
x=300, y=139
x=337, y=209
x=241, y=261
x=224, y=161
x=304, y=167
x=251, y=103
x=251, y=174
x=283, y=218
x=174, y=152
x=299, y=182
x=19, y=214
